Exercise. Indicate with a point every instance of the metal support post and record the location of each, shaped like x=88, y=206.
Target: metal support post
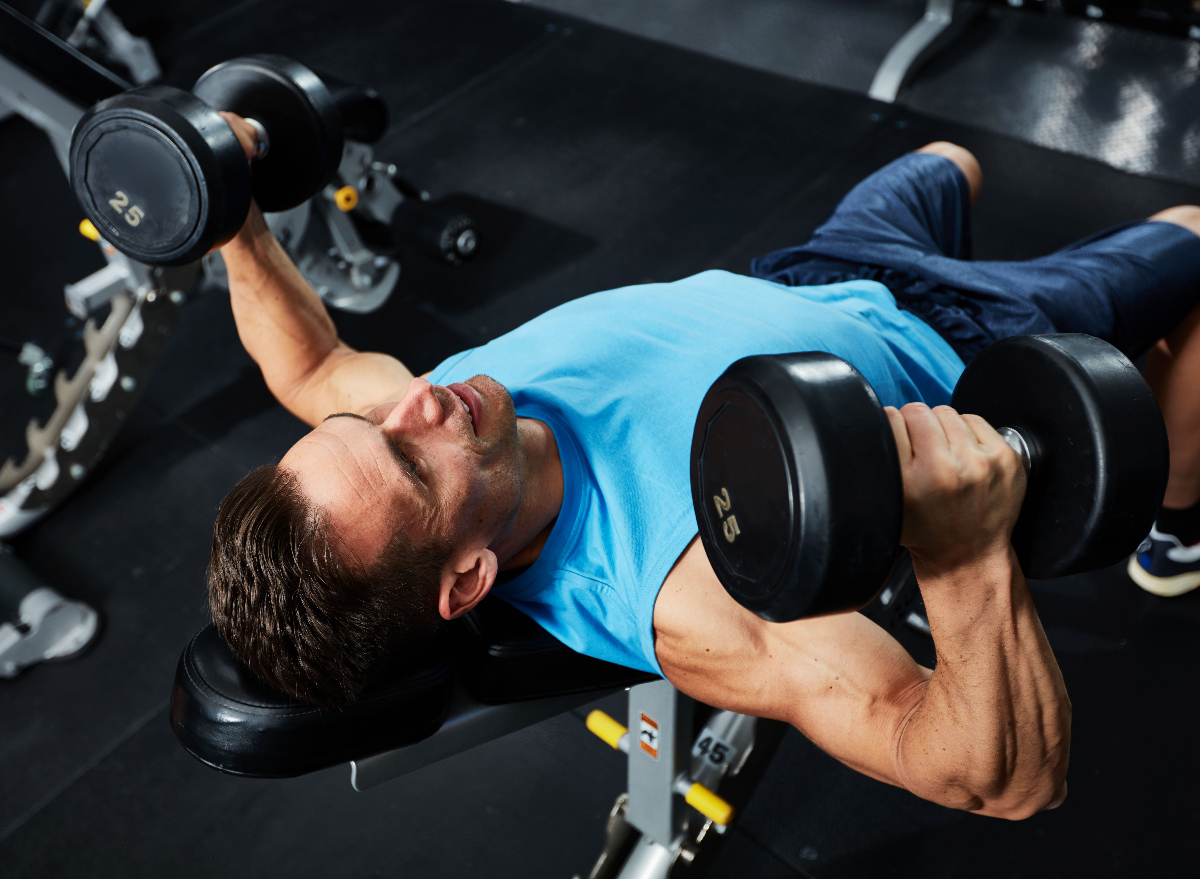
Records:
x=660, y=719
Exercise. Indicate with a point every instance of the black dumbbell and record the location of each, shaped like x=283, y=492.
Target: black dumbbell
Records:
x=162, y=176
x=796, y=478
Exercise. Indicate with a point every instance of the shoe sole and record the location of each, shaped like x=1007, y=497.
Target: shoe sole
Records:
x=1164, y=587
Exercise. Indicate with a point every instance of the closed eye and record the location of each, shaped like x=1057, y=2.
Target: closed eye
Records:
x=406, y=462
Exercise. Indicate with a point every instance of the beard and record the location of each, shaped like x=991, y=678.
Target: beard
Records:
x=499, y=449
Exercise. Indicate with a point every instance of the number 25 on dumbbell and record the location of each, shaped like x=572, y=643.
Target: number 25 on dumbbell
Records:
x=133, y=216
x=729, y=526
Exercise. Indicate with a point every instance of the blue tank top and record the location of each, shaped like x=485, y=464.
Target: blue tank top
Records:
x=619, y=377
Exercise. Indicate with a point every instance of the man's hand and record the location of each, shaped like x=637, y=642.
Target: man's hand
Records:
x=255, y=225
x=963, y=487
x=244, y=132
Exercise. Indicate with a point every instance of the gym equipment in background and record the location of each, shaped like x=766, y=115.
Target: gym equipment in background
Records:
x=323, y=237
x=49, y=84
x=36, y=623
x=92, y=404
x=944, y=21
x=796, y=480
x=94, y=29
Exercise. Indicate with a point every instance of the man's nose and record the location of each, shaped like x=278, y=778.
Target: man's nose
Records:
x=419, y=407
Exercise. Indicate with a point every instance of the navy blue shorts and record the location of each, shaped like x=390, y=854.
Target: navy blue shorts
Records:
x=908, y=226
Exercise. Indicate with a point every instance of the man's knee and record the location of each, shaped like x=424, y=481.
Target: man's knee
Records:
x=1185, y=215
x=962, y=157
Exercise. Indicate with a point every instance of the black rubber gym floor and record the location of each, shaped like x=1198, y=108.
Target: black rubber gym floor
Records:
x=594, y=159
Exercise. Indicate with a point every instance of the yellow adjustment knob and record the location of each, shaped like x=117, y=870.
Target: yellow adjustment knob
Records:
x=606, y=728
x=709, y=804
x=87, y=230
x=346, y=198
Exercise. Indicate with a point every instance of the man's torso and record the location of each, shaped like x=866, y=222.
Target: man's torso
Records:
x=619, y=377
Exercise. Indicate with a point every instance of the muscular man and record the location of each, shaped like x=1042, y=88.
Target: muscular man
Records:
x=560, y=452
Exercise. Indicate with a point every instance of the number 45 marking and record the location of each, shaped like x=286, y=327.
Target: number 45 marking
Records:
x=133, y=216
x=716, y=751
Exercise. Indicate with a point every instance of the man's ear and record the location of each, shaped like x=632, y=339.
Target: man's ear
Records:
x=465, y=581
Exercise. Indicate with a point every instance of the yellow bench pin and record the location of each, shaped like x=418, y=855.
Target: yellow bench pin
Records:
x=609, y=730
x=346, y=198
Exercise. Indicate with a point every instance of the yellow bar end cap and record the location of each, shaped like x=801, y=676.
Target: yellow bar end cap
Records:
x=709, y=804
x=606, y=728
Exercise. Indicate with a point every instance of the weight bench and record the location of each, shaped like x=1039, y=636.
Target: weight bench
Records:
x=491, y=672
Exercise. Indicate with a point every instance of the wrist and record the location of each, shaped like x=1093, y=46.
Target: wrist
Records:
x=995, y=564
x=251, y=239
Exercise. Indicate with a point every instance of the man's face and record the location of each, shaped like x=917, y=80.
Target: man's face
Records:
x=442, y=462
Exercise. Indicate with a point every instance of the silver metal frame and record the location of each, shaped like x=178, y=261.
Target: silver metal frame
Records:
x=44, y=106
x=908, y=49
x=660, y=726
x=663, y=765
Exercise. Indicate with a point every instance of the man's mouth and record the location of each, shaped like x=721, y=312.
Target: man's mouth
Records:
x=471, y=401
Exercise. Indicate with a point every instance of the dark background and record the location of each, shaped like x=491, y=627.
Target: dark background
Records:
x=595, y=158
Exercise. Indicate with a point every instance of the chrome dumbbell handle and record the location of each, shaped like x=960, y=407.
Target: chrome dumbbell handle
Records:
x=1017, y=443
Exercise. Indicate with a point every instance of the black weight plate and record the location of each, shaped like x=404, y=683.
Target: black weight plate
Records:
x=299, y=114
x=1099, y=446
x=796, y=485
x=435, y=229
x=160, y=175
x=363, y=112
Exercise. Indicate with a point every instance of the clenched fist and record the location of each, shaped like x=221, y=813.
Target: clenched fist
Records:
x=963, y=486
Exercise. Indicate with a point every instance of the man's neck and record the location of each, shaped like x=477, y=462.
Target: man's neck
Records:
x=541, y=495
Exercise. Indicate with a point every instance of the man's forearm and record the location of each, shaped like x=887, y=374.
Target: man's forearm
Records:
x=992, y=731
x=280, y=319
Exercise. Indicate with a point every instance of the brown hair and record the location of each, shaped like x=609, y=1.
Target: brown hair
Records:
x=304, y=619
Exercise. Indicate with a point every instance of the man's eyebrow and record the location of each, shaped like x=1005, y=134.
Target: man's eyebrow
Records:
x=390, y=444
x=343, y=415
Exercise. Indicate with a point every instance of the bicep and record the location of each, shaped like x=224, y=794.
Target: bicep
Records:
x=841, y=680
x=347, y=381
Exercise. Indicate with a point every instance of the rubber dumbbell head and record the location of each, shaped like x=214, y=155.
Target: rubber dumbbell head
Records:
x=796, y=485
x=163, y=177
x=160, y=174
x=796, y=481
x=299, y=115
x=1098, y=454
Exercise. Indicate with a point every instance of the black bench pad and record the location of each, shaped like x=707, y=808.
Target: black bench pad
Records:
x=226, y=718
x=504, y=656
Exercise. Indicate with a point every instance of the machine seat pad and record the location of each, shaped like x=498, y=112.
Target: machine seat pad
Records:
x=225, y=717
x=504, y=656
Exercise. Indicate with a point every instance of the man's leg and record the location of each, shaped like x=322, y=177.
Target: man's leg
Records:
x=911, y=209
x=1173, y=371
x=1168, y=562
x=961, y=156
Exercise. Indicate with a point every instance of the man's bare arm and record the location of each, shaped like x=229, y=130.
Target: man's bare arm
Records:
x=988, y=730
x=284, y=326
